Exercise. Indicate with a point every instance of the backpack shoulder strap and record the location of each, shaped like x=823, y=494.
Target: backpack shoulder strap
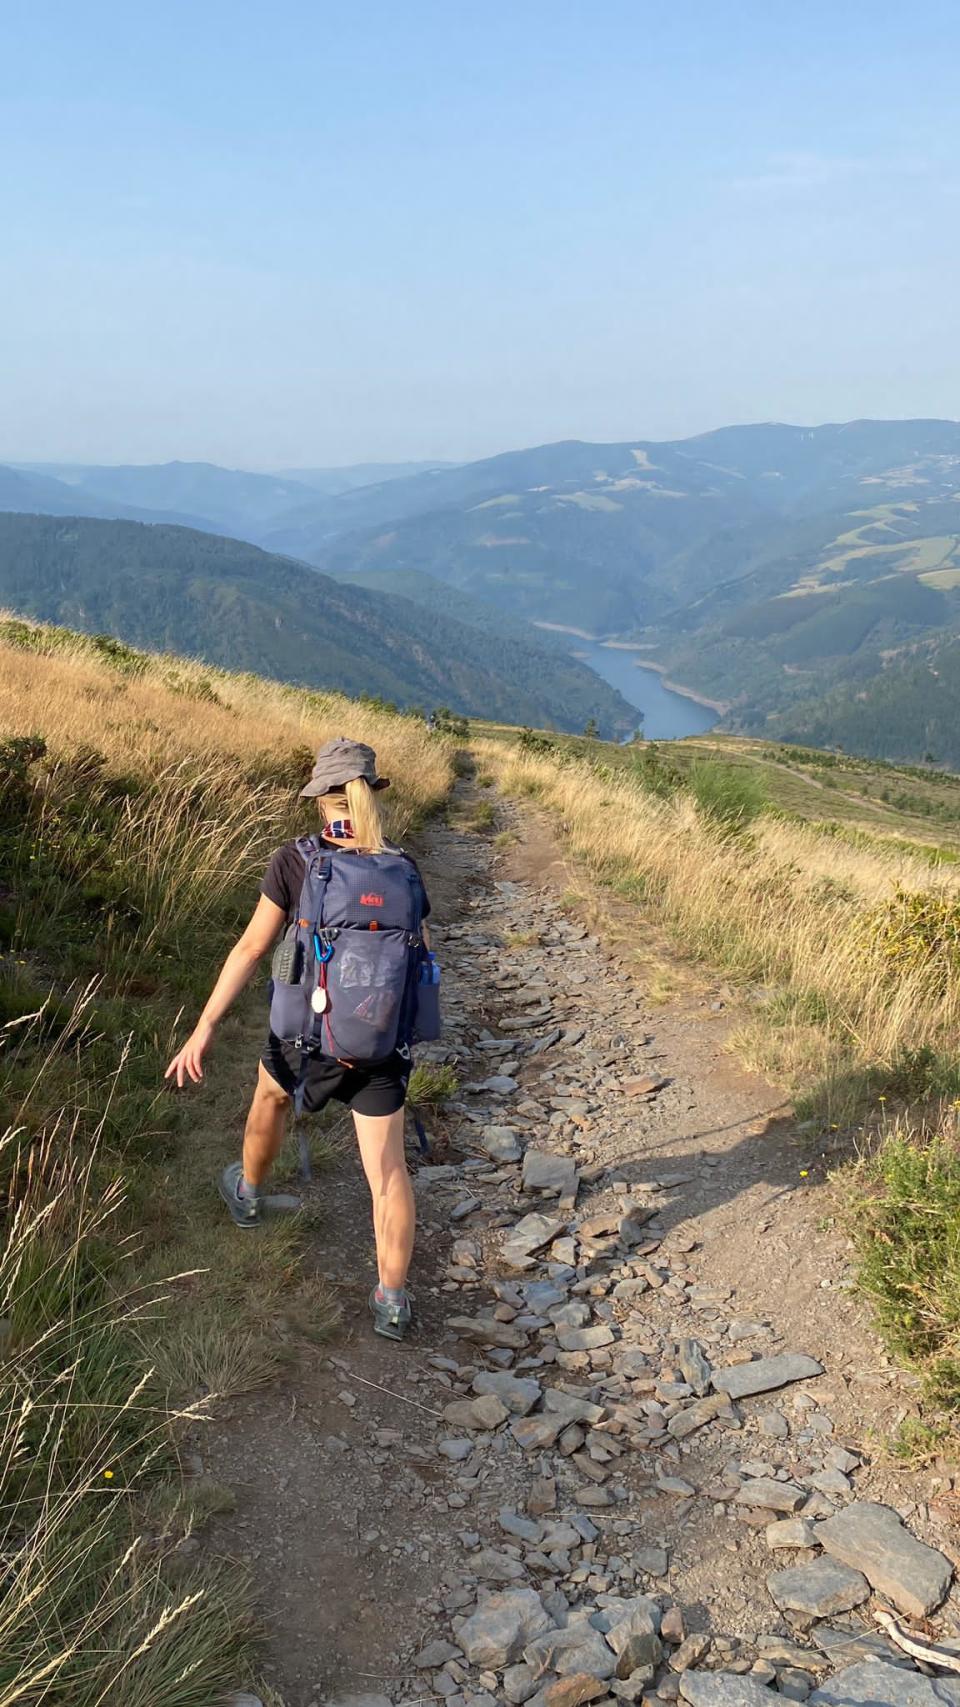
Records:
x=317, y=866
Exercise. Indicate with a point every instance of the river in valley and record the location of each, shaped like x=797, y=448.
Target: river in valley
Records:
x=667, y=715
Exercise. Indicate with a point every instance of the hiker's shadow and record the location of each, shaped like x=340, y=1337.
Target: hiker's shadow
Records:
x=685, y=1184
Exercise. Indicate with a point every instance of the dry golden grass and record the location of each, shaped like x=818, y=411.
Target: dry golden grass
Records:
x=136, y=815
x=779, y=905
x=158, y=720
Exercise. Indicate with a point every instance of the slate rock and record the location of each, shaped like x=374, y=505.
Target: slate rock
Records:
x=873, y=1683
x=694, y=1367
x=436, y=1654
x=527, y=1529
x=576, y=1648
x=571, y=1407
x=696, y=1415
x=483, y=1330
x=819, y=1589
x=544, y=1170
x=636, y=1641
x=872, y=1539
x=647, y=1086
x=492, y=1566
x=723, y=1689
x=532, y=1233
x=845, y=1647
x=519, y=1683
x=537, y=1434
x=770, y=1494
x=572, y=1691
x=692, y=1650
x=740, y=1380
x=632, y=1229
x=791, y=1532
x=517, y=1394
x=573, y=1313
x=457, y=1450
x=542, y=1497
x=501, y=1143
x=487, y=1412
x=586, y=1339
x=501, y=1627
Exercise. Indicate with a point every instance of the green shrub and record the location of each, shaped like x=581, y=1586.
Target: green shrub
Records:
x=728, y=797
x=431, y=1084
x=528, y=742
x=916, y=930
x=907, y=1232
x=655, y=773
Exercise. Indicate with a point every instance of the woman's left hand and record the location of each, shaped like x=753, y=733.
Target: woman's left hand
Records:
x=188, y=1061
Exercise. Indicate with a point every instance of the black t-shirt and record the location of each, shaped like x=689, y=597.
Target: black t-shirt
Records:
x=283, y=879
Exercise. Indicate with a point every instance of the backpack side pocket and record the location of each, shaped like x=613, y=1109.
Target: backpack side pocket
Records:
x=288, y=1002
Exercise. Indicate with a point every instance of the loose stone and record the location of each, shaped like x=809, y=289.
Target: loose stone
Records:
x=483, y=1330
x=742, y=1379
x=723, y=1689
x=517, y=1394
x=791, y=1532
x=574, y=1690
x=501, y=1627
x=818, y=1589
x=771, y=1495
x=876, y=1684
x=872, y=1539
x=694, y=1366
x=501, y=1143
x=487, y=1412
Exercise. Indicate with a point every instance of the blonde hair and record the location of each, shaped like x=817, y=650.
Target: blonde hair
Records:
x=363, y=811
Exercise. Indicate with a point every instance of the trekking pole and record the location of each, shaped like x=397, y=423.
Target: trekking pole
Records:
x=300, y=1131
x=418, y=1127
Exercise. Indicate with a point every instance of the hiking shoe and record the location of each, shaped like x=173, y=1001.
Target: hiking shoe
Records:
x=246, y=1207
x=390, y=1320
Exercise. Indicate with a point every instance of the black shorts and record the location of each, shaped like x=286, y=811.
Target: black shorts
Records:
x=378, y=1088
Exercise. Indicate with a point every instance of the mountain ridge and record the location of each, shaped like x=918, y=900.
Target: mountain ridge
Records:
x=179, y=590
x=703, y=550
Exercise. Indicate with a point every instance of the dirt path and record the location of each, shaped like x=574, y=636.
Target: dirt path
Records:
x=688, y=1235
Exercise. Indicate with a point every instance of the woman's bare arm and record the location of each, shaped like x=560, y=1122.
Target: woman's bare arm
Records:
x=236, y=973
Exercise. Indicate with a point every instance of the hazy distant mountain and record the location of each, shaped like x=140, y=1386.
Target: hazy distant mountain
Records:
x=331, y=481
x=41, y=494
x=226, y=499
x=203, y=595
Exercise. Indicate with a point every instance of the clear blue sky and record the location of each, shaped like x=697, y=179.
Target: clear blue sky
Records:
x=305, y=233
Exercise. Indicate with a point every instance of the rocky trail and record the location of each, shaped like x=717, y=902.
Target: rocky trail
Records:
x=632, y=1451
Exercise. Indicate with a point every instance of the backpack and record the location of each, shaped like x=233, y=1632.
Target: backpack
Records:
x=345, y=972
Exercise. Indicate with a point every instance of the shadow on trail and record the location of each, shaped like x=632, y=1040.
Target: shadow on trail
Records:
x=686, y=1184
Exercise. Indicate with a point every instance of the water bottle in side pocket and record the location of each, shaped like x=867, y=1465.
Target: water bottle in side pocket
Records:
x=427, y=1026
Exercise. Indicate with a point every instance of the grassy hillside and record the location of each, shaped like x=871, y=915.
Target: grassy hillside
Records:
x=199, y=594
x=139, y=800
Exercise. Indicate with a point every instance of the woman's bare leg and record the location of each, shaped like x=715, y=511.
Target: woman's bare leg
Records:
x=266, y=1125
x=394, y=1215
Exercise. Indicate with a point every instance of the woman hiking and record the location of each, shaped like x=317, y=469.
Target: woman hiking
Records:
x=344, y=984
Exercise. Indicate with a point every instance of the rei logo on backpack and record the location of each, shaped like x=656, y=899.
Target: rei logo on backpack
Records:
x=345, y=973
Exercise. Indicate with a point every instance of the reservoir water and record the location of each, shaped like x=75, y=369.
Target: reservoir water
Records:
x=667, y=715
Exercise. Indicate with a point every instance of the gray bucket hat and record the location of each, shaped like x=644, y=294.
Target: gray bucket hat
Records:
x=343, y=761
